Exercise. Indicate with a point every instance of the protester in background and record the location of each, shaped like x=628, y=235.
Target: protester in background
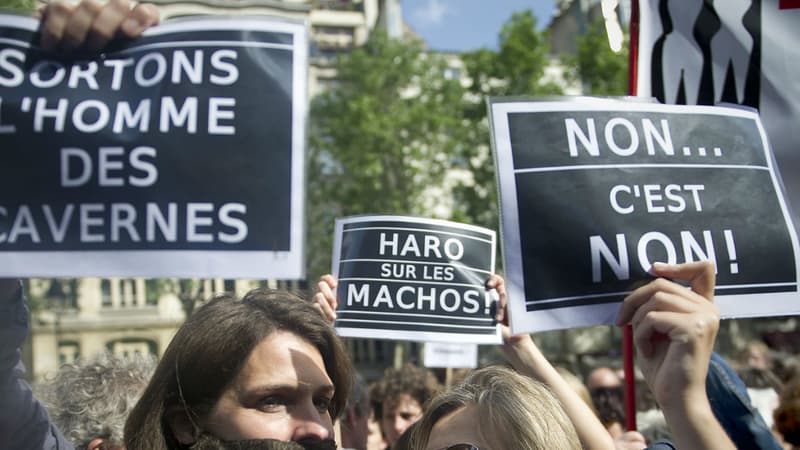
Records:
x=609, y=405
x=401, y=397
x=264, y=367
x=355, y=420
x=375, y=439
x=496, y=408
x=603, y=377
x=755, y=354
x=90, y=400
x=787, y=415
x=762, y=388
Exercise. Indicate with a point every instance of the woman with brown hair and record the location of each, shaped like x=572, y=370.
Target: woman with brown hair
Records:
x=265, y=367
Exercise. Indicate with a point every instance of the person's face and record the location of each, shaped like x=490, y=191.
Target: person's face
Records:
x=395, y=421
x=756, y=358
x=375, y=440
x=282, y=392
x=458, y=427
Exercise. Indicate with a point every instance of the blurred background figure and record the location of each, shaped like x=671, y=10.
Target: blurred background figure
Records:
x=787, y=416
x=375, y=439
x=90, y=400
x=755, y=354
x=355, y=420
x=400, y=398
x=603, y=377
x=763, y=388
x=606, y=391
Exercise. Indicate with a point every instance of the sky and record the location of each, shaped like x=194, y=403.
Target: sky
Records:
x=462, y=25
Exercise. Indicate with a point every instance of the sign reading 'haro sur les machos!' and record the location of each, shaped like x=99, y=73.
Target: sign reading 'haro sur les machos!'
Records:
x=412, y=278
x=593, y=191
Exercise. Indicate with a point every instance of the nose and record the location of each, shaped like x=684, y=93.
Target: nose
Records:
x=399, y=424
x=310, y=425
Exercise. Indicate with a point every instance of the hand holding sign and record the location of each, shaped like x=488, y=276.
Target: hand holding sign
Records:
x=674, y=329
x=325, y=298
x=92, y=25
x=672, y=323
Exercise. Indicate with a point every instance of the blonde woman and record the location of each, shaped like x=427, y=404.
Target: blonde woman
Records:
x=495, y=408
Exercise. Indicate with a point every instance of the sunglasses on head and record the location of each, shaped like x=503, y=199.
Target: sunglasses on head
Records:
x=463, y=446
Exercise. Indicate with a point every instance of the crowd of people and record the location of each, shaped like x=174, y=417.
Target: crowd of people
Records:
x=267, y=371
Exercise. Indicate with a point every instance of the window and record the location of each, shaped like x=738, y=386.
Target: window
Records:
x=105, y=293
x=68, y=352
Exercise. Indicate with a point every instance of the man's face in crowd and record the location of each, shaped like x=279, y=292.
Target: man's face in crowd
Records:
x=398, y=417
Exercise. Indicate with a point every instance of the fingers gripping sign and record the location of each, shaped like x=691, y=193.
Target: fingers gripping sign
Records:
x=325, y=297
x=674, y=329
x=90, y=25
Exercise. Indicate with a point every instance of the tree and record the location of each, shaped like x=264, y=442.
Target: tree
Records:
x=596, y=66
x=517, y=68
x=396, y=128
x=381, y=139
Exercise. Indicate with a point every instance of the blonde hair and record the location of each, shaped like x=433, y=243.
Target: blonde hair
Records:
x=516, y=412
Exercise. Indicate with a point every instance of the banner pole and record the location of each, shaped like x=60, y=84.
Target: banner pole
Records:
x=627, y=334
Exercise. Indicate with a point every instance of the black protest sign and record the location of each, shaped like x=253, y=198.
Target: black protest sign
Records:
x=177, y=154
x=412, y=278
x=595, y=191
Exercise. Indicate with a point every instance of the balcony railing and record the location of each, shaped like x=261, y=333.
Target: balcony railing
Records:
x=338, y=5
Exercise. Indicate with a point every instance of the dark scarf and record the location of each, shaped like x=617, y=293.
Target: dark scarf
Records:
x=208, y=442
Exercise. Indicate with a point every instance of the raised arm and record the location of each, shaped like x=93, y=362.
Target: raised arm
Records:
x=90, y=25
x=527, y=359
x=674, y=331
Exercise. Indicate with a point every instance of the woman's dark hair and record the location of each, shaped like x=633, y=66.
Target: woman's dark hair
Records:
x=210, y=349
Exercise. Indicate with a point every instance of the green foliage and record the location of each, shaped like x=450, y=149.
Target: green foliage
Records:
x=601, y=71
x=516, y=69
x=19, y=6
x=388, y=131
x=396, y=125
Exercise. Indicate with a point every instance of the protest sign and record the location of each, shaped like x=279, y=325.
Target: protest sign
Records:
x=594, y=191
x=736, y=51
x=416, y=279
x=177, y=154
x=450, y=354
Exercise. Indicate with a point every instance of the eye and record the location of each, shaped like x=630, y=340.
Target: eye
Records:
x=271, y=403
x=322, y=403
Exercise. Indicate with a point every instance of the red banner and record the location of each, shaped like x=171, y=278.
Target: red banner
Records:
x=789, y=4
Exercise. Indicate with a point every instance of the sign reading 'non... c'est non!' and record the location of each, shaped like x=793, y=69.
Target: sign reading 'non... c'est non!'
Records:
x=594, y=191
